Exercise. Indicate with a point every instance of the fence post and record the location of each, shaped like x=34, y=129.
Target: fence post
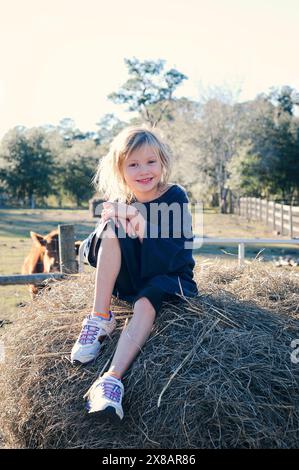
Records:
x=81, y=257
x=261, y=209
x=247, y=208
x=281, y=219
x=267, y=212
x=67, y=253
x=274, y=221
x=241, y=254
x=291, y=221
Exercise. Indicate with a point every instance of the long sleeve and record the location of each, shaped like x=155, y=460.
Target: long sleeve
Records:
x=166, y=237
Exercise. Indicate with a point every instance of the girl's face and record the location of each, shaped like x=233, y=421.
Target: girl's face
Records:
x=142, y=172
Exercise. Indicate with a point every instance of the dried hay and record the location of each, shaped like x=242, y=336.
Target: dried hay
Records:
x=216, y=371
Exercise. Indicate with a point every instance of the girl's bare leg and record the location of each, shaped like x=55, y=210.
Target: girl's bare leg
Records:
x=136, y=333
x=133, y=336
x=108, y=267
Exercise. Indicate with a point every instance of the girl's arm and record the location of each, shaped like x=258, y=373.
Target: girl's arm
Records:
x=129, y=216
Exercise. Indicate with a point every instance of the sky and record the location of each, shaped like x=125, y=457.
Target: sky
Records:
x=61, y=58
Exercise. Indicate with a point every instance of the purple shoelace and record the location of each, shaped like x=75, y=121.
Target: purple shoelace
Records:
x=88, y=334
x=110, y=390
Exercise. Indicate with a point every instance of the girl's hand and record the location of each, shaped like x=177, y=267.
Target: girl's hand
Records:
x=121, y=210
x=126, y=224
x=113, y=211
x=109, y=214
x=130, y=218
x=129, y=228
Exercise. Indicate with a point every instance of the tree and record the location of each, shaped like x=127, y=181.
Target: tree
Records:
x=149, y=89
x=267, y=161
x=180, y=129
x=67, y=128
x=76, y=179
x=283, y=98
x=246, y=173
x=28, y=170
x=286, y=170
x=109, y=126
x=218, y=140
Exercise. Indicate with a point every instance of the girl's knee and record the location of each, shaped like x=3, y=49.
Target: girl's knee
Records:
x=144, y=305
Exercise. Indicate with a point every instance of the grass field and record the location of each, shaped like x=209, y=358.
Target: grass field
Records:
x=232, y=226
x=15, y=241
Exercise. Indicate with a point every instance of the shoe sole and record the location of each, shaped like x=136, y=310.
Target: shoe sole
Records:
x=108, y=414
x=78, y=363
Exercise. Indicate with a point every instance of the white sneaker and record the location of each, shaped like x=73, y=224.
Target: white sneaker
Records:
x=87, y=347
x=104, y=397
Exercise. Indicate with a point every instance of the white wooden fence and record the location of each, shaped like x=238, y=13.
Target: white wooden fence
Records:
x=198, y=242
x=282, y=218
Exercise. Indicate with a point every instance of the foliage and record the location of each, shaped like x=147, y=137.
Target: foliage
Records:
x=29, y=170
x=217, y=144
x=267, y=159
x=149, y=90
x=76, y=179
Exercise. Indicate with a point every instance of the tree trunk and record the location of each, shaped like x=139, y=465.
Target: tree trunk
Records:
x=230, y=202
x=223, y=200
x=32, y=201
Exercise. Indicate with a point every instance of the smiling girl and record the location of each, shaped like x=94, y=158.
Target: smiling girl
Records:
x=132, y=263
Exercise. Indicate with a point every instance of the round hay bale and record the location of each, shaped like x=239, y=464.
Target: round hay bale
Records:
x=216, y=371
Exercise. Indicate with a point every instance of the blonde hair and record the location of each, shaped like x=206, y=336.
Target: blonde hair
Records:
x=109, y=180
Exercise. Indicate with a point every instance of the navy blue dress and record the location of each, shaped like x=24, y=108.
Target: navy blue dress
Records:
x=161, y=267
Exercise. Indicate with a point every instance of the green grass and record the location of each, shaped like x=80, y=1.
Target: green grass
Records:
x=17, y=223
x=15, y=243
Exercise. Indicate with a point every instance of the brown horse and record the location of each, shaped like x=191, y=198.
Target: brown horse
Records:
x=43, y=257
